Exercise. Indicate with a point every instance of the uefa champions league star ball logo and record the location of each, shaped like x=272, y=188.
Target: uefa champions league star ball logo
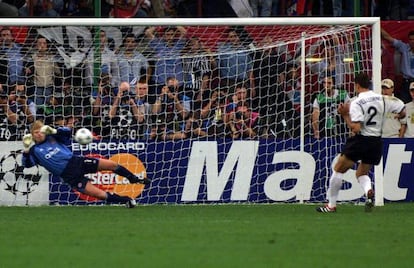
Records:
x=125, y=118
x=14, y=178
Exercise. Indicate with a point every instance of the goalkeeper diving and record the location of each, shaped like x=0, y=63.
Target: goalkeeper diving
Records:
x=48, y=147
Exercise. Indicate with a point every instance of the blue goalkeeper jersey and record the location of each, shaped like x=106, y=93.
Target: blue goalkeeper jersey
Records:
x=53, y=154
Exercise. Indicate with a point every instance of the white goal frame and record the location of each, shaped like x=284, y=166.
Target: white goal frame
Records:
x=373, y=21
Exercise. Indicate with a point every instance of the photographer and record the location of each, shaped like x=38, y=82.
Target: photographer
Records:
x=25, y=107
x=7, y=116
x=171, y=109
x=15, y=114
x=124, y=115
x=102, y=105
x=212, y=117
x=244, y=123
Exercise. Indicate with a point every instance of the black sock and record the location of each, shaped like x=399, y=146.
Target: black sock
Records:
x=114, y=198
x=120, y=170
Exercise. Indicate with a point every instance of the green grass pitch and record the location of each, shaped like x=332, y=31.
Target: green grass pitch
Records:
x=280, y=235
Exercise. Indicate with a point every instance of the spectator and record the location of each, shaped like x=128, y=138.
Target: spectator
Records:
x=244, y=123
x=198, y=64
x=102, y=105
x=20, y=105
x=326, y=122
x=125, y=115
x=194, y=126
x=299, y=8
x=337, y=8
x=42, y=8
x=322, y=8
x=281, y=118
x=8, y=9
x=235, y=63
x=43, y=71
x=239, y=98
x=406, y=66
x=132, y=64
x=77, y=8
x=144, y=10
x=171, y=109
x=211, y=120
x=109, y=61
x=261, y=8
x=144, y=106
x=8, y=118
x=12, y=63
x=408, y=128
x=331, y=63
x=51, y=113
x=268, y=63
x=275, y=8
x=392, y=126
x=21, y=94
x=290, y=85
x=392, y=10
x=387, y=62
x=183, y=8
x=75, y=104
x=130, y=9
x=167, y=51
x=217, y=9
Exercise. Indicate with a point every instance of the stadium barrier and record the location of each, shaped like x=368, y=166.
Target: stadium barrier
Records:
x=203, y=172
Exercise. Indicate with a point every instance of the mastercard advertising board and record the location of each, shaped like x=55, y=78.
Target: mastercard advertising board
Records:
x=105, y=180
x=113, y=183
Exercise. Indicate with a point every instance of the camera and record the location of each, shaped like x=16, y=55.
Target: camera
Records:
x=171, y=88
x=239, y=115
x=126, y=95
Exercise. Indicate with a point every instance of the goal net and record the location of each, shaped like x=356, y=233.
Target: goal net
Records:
x=212, y=110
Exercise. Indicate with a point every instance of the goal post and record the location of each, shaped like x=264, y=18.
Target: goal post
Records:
x=274, y=70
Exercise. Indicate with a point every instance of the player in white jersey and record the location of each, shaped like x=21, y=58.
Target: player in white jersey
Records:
x=408, y=128
x=391, y=127
x=364, y=116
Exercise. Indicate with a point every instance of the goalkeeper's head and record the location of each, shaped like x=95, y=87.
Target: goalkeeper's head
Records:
x=38, y=136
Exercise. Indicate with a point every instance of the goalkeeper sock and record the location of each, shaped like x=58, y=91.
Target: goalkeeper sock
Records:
x=114, y=198
x=122, y=171
x=365, y=183
x=335, y=184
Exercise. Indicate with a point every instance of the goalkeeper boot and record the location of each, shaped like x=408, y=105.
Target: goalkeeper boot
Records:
x=144, y=181
x=369, y=202
x=326, y=209
x=131, y=203
x=135, y=179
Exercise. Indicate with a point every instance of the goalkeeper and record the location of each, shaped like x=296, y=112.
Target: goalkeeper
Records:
x=47, y=147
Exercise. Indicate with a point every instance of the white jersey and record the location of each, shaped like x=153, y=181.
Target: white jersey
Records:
x=391, y=125
x=369, y=108
x=409, y=109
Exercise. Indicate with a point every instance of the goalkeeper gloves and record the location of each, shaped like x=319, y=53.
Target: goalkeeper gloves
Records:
x=27, y=142
x=48, y=130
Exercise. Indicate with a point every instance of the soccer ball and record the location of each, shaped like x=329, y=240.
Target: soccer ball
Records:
x=83, y=136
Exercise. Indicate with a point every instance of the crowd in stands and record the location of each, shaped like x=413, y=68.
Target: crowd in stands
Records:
x=166, y=84
x=386, y=9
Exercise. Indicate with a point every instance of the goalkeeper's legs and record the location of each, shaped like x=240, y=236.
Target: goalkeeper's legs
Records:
x=110, y=198
x=106, y=164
